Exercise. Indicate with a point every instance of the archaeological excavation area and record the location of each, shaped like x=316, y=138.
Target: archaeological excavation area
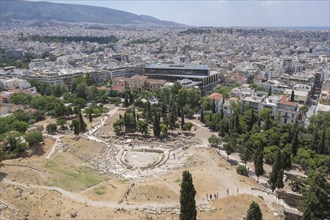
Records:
x=100, y=176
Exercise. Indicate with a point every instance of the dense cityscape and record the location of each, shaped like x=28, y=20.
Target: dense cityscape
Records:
x=150, y=121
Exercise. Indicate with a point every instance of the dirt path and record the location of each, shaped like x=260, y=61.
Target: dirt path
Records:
x=103, y=120
x=269, y=198
x=58, y=143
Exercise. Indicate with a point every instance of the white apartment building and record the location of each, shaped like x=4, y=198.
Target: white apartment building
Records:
x=287, y=110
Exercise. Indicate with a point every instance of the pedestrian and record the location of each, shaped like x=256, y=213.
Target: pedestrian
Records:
x=210, y=196
x=227, y=191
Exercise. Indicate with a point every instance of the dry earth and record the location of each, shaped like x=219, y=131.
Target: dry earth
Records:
x=26, y=185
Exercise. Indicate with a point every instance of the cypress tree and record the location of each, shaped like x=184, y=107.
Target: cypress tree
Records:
x=316, y=199
x=187, y=198
x=202, y=116
x=252, y=121
x=292, y=96
x=134, y=114
x=315, y=142
x=279, y=183
x=182, y=120
x=164, y=110
x=213, y=106
x=286, y=160
x=267, y=123
x=222, y=113
x=82, y=124
x=258, y=163
x=275, y=170
x=126, y=103
x=254, y=212
x=131, y=98
x=76, y=127
x=270, y=91
x=90, y=118
x=156, y=126
x=294, y=144
x=321, y=148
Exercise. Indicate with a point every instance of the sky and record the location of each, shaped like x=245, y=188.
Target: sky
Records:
x=225, y=13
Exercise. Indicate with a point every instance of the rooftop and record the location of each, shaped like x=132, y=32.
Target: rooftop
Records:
x=285, y=101
x=215, y=96
x=183, y=66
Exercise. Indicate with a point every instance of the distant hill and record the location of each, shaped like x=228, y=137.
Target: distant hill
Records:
x=47, y=11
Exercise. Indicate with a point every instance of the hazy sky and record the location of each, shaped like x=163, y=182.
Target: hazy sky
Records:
x=225, y=13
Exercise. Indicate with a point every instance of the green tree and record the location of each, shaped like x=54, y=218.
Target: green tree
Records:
x=316, y=198
x=187, y=126
x=33, y=137
x=258, y=164
x=91, y=93
x=20, y=126
x=294, y=143
x=118, y=126
x=316, y=140
x=254, y=212
x=213, y=106
x=267, y=125
x=292, y=96
x=187, y=198
x=246, y=151
x=270, y=91
x=274, y=175
x=156, y=125
x=81, y=90
x=213, y=140
x=163, y=129
x=75, y=125
x=280, y=183
x=202, y=116
x=321, y=148
x=88, y=79
x=230, y=146
x=21, y=98
x=126, y=103
x=90, y=112
x=82, y=124
x=142, y=126
x=59, y=109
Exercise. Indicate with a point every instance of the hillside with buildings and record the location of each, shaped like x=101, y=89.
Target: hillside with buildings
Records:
x=101, y=122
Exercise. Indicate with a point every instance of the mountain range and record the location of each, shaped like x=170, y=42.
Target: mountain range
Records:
x=48, y=11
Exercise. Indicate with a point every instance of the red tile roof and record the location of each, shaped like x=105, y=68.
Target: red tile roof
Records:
x=118, y=88
x=285, y=101
x=215, y=96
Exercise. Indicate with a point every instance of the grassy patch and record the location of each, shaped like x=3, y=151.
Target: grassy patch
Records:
x=99, y=190
x=123, y=181
x=72, y=178
x=189, y=161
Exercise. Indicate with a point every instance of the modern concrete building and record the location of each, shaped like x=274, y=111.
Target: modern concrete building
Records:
x=198, y=74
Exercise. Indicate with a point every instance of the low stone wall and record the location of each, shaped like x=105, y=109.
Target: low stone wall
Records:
x=292, y=215
x=291, y=198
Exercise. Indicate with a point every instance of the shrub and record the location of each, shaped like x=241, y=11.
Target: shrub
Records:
x=241, y=170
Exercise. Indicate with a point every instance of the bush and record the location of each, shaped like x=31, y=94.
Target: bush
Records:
x=51, y=127
x=241, y=170
x=33, y=137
